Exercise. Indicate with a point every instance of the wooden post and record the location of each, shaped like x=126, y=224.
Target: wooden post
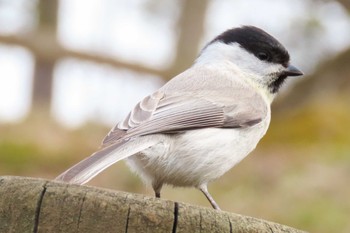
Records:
x=36, y=205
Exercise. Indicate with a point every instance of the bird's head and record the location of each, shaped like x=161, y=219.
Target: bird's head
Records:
x=258, y=55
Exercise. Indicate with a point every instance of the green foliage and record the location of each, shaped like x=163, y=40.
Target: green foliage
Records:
x=18, y=156
x=324, y=123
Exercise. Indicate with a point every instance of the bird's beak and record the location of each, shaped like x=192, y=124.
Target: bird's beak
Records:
x=292, y=71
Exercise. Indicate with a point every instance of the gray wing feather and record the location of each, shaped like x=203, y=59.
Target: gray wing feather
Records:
x=192, y=114
x=88, y=168
x=142, y=112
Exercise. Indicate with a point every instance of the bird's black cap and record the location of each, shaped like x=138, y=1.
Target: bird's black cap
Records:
x=258, y=42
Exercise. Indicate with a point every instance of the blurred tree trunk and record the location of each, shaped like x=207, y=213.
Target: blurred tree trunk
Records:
x=345, y=3
x=43, y=72
x=191, y=29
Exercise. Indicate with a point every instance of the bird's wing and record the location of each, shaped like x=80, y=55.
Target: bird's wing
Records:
x=170, y=113
x=142, y=112
x=176, y=112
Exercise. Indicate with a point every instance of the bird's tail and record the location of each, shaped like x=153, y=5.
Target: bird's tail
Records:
x=90, y=167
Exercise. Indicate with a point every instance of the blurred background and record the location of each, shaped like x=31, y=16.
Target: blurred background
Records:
x=71, y=69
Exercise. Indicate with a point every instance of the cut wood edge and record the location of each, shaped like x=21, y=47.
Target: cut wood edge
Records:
x=38, y=205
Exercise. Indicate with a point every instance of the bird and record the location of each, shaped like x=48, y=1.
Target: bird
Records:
x=202, y=122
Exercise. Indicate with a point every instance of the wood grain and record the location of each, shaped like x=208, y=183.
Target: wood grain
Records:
x=36, y=205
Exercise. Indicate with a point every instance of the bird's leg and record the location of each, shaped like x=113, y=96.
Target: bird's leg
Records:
x=157, y=194
x=204, y=190
x=157, y=187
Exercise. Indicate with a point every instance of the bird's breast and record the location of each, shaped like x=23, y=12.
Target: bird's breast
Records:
x=197, y=156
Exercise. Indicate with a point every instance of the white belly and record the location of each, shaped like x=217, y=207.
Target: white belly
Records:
x=197, y=156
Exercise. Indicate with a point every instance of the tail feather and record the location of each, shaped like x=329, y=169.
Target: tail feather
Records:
x=90, y=167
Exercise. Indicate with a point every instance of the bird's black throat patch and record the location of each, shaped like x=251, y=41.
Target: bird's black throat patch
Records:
x=277, y=84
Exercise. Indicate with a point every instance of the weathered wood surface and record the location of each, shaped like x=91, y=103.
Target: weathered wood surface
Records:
x=36, y=205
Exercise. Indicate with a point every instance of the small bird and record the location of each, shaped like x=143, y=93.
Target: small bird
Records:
x=203, y=121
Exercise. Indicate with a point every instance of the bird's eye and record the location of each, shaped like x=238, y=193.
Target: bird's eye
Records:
x=263, y=56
